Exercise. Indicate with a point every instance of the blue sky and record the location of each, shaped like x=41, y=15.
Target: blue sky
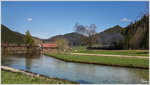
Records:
x=45, y=19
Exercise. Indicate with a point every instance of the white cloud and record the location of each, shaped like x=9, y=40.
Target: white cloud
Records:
x=126, y=20
x=29, y=19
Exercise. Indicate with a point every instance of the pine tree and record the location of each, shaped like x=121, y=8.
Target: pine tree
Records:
x=29, y=41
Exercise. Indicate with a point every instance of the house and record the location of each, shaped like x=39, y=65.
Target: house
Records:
x=48, y=46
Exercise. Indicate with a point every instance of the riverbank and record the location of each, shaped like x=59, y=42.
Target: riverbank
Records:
x=103, y=60
x=144, y=53
x=15, y=76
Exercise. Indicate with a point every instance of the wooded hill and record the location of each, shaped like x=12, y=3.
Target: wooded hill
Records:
x=73, y=38
x=9, y=36
x=107, y=37
x=111, y=35
x=137, y=34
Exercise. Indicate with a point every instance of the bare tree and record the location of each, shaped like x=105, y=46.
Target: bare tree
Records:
x=89, y=32
x=62, y=44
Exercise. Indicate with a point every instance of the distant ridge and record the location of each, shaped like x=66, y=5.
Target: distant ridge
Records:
x=73, y=38
x=111, y=35
x=107, y=36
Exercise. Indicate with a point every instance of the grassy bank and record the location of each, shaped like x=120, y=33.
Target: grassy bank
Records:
x=115, y=61
x=116, y=52
x=8, y=77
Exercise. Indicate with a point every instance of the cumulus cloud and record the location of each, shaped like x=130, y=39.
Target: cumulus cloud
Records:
x=29, y=19
x=126, y=20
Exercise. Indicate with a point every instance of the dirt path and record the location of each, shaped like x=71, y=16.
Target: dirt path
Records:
x=109, y=55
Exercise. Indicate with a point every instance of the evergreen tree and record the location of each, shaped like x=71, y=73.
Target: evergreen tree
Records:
x=137, y=34
x=28, y=40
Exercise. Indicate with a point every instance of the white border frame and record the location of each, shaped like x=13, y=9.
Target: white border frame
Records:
x=76, y=0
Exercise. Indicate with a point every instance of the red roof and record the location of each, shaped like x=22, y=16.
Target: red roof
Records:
x=51, y=45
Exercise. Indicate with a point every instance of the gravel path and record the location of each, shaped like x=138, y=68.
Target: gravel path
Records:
x=109, y=55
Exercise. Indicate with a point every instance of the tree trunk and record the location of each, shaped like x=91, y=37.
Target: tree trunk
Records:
x=28, y=50
x=90, y=42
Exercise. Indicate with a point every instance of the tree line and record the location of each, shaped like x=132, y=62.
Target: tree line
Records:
x=137, y=34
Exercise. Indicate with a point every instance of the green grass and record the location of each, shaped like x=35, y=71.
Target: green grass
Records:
x=131, y=62
x=116, y=52
x=8, y=77
x=79, y=47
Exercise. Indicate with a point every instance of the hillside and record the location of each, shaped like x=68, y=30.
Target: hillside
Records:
x=137, y=34
x=11, y=37
x=73, y=38
x=111, y=35
x=8, y=36
x=107, y=36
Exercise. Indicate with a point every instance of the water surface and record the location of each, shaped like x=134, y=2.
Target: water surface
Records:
x=82, y=73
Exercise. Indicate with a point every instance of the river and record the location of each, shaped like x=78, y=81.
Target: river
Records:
x=82, y=73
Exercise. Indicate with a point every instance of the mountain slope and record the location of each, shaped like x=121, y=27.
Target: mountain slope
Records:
x=73, y=38
x=107, y=36
x=9, y=36
x=111, y=35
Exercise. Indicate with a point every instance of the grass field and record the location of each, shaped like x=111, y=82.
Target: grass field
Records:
x=8, y=77
x=129, y=62
x=79, y=47
x=116, y=52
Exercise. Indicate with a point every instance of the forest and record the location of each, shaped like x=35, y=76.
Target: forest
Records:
x=137, y=34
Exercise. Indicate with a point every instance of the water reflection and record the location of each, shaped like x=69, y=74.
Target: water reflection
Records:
x=29, y=60
x=83, y=73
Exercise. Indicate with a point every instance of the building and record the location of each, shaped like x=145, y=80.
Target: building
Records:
x=49, y=46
